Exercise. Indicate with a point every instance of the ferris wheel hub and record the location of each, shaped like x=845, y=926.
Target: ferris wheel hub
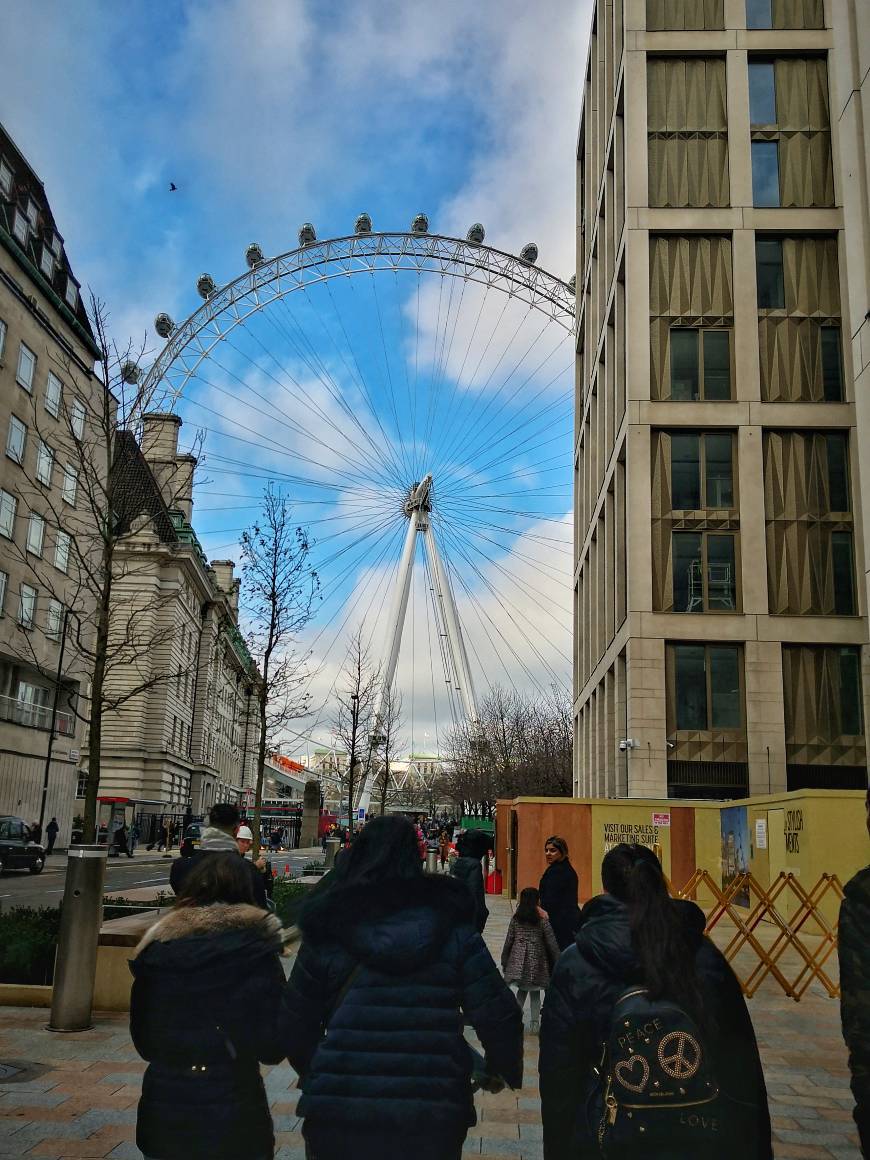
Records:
x=419, y=497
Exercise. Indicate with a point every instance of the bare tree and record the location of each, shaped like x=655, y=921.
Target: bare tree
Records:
x=280, y=590
x=353, y=723
x=518, y=745
x=390, y=724
x=114, y=642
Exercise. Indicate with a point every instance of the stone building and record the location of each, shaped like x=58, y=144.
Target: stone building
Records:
x=722, y=257
x=48, y=391
x=189, y=738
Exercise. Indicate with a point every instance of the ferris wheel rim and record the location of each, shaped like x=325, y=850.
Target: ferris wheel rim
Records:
x=533, y=284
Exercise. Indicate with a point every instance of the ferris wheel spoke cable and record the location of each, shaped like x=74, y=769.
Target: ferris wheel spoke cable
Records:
x=408, y=467
x=560, y=576
x=494, y=395
x=442, y=634
x=431, y=655
x=506, y=605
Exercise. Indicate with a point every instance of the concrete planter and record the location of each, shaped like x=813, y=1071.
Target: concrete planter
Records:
x=24, y=995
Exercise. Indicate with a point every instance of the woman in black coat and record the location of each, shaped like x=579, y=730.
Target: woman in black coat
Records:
x=558, y=889
x=637, y=935
x=390, y=965
x=472, y=846
x=204, y=1010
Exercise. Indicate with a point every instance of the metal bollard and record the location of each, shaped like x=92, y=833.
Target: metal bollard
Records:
x=432, y=861
x=76, y=963
x=332, y=845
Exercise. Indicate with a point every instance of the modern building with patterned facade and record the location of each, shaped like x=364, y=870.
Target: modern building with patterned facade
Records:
x=189, y=738
x=47, y=388
x=722, y=258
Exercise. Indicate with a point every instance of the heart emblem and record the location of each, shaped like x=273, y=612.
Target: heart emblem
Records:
x=624, y=1072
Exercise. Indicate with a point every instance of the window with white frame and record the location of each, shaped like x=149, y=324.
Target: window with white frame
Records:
x=35, y=534
x=77, y=418
x=53, y=619
x=26, y=368
x=46, y=261
x=32, y=212
x=6, y=176
x=4, y=584
x=44, y=463
x=61, y=551
x=8, y=504
x=27, y=605
x=72, y=292
x=16, y=437
x=53, y=394
x=55, y=241
x=20, y=227
x=2, y=337
x=70, y=484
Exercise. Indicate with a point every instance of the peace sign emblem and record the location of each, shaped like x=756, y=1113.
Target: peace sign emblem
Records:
x=679, y=1055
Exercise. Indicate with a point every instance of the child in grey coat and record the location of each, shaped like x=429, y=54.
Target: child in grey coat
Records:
x=530, y=953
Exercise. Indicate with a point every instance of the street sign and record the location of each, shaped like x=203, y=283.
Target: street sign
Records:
x=361, y=814
x=661, y=820
x=74, y=755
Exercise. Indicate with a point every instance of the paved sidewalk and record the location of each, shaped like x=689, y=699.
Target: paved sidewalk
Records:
x=78, y=1098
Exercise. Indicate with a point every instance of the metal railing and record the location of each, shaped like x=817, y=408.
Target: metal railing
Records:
x=35, y=716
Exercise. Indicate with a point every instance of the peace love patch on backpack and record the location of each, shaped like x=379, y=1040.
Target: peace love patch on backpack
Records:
x=655, y=1083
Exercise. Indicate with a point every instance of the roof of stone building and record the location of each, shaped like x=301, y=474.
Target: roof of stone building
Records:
x=136, y=491
x=41, y=254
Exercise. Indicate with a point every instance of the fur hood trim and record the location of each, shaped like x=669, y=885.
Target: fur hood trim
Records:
x=342, y=907
x=210, y=921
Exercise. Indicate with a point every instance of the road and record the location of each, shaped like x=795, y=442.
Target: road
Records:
x=18, y=888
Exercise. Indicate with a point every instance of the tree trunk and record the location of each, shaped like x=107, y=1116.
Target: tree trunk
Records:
x=95, y=716
x=261, y=765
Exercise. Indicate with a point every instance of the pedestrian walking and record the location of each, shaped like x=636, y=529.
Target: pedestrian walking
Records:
x=51, y=832
x=471, y=847
x=34, y=833
x=219, y=837
x=443, y=849
x=390, y=962
x=854, y=950
x=207, y=987
x=559, y=889
x=530, y=953
x=647, y=1047
x=120, y=842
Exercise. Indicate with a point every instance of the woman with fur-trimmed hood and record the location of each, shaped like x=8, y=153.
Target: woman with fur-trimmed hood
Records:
x=204, y=1010
x=390, y=967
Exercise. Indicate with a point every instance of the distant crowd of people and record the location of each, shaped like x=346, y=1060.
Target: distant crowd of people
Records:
x=646, y=1044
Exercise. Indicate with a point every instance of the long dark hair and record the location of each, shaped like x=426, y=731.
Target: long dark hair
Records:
x=219, y=877
x=386, y=849
x=527, y=907
x=666, y=954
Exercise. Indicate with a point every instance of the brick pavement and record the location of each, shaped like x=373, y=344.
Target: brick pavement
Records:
x=80, y=1101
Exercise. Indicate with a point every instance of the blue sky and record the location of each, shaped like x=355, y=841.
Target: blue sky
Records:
x=272, y=113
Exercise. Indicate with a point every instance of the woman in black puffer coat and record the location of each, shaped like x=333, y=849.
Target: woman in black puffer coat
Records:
x=472, y=846
x=204, y=1010
x=637, y=934
x=389, y=964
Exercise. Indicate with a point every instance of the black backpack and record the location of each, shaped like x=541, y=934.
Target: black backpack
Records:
x=655, y=1087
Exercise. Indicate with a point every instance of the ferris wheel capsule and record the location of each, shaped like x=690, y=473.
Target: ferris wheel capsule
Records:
x=529, y=253
x=420, y=224
x=572, y=282
x=164, y=325
x=130, y=372
x=253, y=255
x=307, y=234
x=363, y=224
x=205, y=286
x=476, y=234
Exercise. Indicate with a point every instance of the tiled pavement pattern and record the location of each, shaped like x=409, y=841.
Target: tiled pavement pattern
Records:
x=83, y=1104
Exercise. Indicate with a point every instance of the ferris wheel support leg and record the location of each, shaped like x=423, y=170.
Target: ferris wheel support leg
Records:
x=455, y=640
x=394, y=637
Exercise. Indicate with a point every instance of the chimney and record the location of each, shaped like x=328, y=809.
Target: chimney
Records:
x=227, y=583
x=173, y=472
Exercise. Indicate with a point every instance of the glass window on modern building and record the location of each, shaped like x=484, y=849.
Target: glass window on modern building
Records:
x=53, y=394
x=790, y=126
x=77, y=419
x=691, y=318
x=27, y=596
x=685, y=15
x=53, y=619
x=16, y=438
x=35, y=534
x=61, y=550
x=8, y=505
x=687, y=129
x=799, y=320
x=26, y=368
x=44, y=463
x=824, y=720
x=809, y=524
x=3, y=333
x=785, y=14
